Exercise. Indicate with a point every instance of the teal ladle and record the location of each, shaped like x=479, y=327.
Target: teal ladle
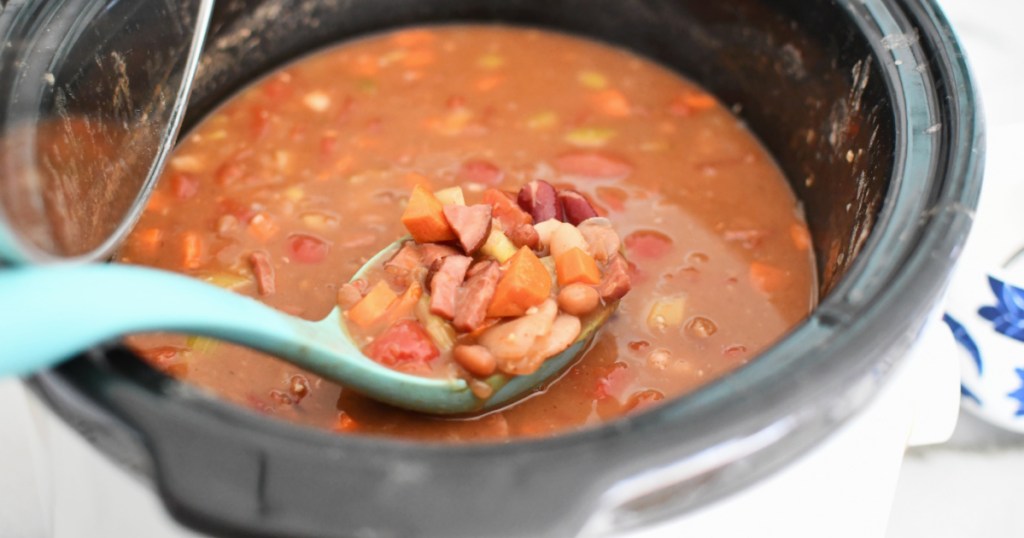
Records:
x=51, y=313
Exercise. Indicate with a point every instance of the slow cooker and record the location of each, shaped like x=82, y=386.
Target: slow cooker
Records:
x=869, y=109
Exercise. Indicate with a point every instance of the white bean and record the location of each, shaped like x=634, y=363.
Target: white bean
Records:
x=510, y=341
x=565, y=238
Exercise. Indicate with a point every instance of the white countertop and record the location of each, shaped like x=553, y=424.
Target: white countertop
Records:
x=969, y=486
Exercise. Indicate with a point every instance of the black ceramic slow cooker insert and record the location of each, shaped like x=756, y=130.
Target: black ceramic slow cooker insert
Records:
x=818, y=82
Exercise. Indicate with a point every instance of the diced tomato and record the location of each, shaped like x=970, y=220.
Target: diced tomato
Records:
x=259, y=121
x=230, y=206
x=228, y=173
x=184, y=185
x=277, y=88
x=649, y=244
x=328, y=144
x=592, y=164
x=480, y=171
x=405, y=343
x=614, y=383
x=306, y=248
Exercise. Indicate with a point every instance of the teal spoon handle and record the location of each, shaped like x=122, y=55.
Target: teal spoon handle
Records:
x=49, y=314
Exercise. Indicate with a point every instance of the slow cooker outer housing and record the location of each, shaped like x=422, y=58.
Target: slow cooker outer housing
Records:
x=870, y=112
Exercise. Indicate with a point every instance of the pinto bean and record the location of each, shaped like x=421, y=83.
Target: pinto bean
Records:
x=476, y=359
x=525, y=235
x=578, y=299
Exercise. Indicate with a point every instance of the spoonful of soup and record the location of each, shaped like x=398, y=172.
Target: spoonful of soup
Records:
x=477, y=307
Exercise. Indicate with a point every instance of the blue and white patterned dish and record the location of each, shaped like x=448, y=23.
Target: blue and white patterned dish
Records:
x=990, y=335
x=985, y=304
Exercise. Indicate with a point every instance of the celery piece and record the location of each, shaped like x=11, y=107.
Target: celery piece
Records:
x=589, y=137
x=440, y=331
x=498, y=246
x=201, y=345
x=549, y=264
x=228, y=281
x=592, y=80
x=667, y=313
x=451, y=196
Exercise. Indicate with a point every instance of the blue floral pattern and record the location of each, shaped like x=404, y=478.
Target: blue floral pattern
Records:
x=1019, y=393
x=1008, y=313
x=963, y=338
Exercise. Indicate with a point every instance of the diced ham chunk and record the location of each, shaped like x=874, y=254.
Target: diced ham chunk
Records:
x=471, y=224
x=349, y=294
x=475, y=296
x=601, y=238
x=431, y=252
x=445, y=283
x=405, y=260
x=263, y=271
x=615, y=283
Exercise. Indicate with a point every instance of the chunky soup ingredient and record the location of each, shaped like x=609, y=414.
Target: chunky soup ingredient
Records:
x=288, y=188
x=477, y=299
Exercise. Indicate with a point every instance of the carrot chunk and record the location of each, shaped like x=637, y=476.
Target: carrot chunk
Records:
x=506, y=210
x=525, y=283
x=767, y=278
x=424, y=217
x=372, y=306
x=403, y=306
x=801, y=236
x=612, y=103
x=574, y=266
x=192, y=250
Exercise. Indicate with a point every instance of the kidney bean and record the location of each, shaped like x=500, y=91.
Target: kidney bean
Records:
x=540, y=199
x=575, y=207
